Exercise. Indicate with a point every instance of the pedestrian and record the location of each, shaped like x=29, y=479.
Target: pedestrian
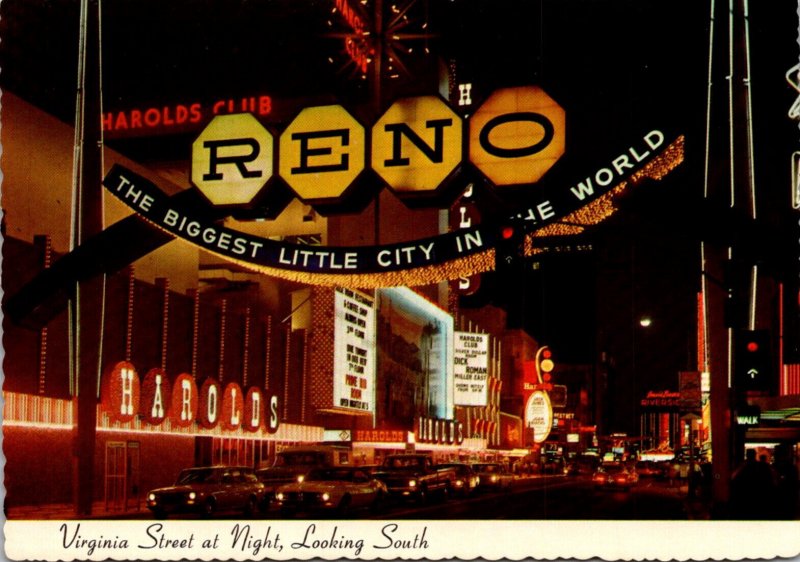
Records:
x=788, y=483
x=753, y=488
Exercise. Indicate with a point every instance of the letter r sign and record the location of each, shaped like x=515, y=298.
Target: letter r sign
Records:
x=232, y=159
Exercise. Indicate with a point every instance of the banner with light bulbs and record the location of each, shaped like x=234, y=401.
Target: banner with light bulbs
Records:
x=416, y=262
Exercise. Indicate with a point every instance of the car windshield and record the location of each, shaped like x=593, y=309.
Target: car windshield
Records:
x=195, y=476
x=487, y=467
x=613, y=468
x=411, y=462
x=322, y=474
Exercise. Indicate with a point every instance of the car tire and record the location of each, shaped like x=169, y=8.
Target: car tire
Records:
x=422, y=495
x=344, y=506
x=379, y=503
x=209, y=507
x=159, y=514
x=251, y=507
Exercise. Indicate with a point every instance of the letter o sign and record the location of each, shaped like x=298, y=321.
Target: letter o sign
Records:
x=232, y=159
x=517, y=135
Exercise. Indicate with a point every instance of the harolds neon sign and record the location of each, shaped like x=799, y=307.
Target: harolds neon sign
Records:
x=155, y=400
x=179, y=117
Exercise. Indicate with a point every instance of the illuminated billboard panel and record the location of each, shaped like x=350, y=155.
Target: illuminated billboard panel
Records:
x=470, y=369
x=354, y=351
x=414, y=359
x=539, y=415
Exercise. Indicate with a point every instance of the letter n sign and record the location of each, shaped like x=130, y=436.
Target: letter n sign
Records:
x=232, y=159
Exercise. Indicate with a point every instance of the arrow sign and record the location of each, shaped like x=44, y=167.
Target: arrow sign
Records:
x=752, y=373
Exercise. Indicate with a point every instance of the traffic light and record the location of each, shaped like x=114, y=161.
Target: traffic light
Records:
x=752, y=360
x=508, y=256
x=545, y=366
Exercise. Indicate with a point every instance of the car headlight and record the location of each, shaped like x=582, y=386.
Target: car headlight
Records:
x=325, y=496
x=279, y=496
x=412, y=483
x=494, y=478
x=300, y=479
x=192, y=495
x=151, y=497
x=459, y=483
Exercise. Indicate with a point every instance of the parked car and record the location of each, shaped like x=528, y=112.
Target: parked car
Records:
x=466, y=480
x=334, y=488
x=493, y=476
x=648, y=469
x=615, y=476
x=414, y=476
x=208, y=490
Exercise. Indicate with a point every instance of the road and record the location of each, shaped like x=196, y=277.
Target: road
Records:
x=556, y=497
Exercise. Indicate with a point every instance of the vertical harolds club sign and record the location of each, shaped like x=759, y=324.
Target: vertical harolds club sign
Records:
x=415, y=147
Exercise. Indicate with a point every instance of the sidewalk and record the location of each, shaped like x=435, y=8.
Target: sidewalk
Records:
x=67, y=511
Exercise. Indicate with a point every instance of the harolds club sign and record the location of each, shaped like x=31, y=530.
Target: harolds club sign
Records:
x=154, y=399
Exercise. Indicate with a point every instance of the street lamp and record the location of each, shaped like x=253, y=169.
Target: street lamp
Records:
x=645, y=321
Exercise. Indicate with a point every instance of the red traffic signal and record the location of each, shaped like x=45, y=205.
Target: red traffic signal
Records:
x=752, y=346
x=544, y=363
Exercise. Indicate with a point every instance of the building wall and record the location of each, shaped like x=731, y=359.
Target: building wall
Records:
x=37, y=185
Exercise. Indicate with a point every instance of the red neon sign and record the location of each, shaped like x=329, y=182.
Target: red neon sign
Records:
x=175, y=118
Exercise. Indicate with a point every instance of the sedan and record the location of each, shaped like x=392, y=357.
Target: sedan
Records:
x=207, y=490
x=466, y=480
x=616, y=476
x=333, y=489
x=493, y=476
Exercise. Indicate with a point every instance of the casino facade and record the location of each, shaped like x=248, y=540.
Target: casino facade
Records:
x=205, y=361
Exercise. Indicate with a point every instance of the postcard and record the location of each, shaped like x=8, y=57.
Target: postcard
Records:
x=411, y=279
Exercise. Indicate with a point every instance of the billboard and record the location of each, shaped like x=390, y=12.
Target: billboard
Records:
x=470, y=368
x=539, y=415
x=354, y=351
x=414, y=345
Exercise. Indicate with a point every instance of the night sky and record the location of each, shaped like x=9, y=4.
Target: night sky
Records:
x=618, y=67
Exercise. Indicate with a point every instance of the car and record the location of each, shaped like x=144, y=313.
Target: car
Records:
x=207, y=490
x=554, y=465
x=337, y=489
x=466, y=479
x=615, y=476
x=275, y=476
x=493, y=476
x=648, y=469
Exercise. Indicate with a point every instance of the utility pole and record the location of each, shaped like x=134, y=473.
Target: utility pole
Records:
x=729, y=190
x=86, y=304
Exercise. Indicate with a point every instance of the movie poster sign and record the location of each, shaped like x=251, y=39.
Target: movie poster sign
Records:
x=354, y=351
x=470, y=368
x=414, y=357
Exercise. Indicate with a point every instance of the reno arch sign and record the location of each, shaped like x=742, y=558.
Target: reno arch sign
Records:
x=415, y=146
